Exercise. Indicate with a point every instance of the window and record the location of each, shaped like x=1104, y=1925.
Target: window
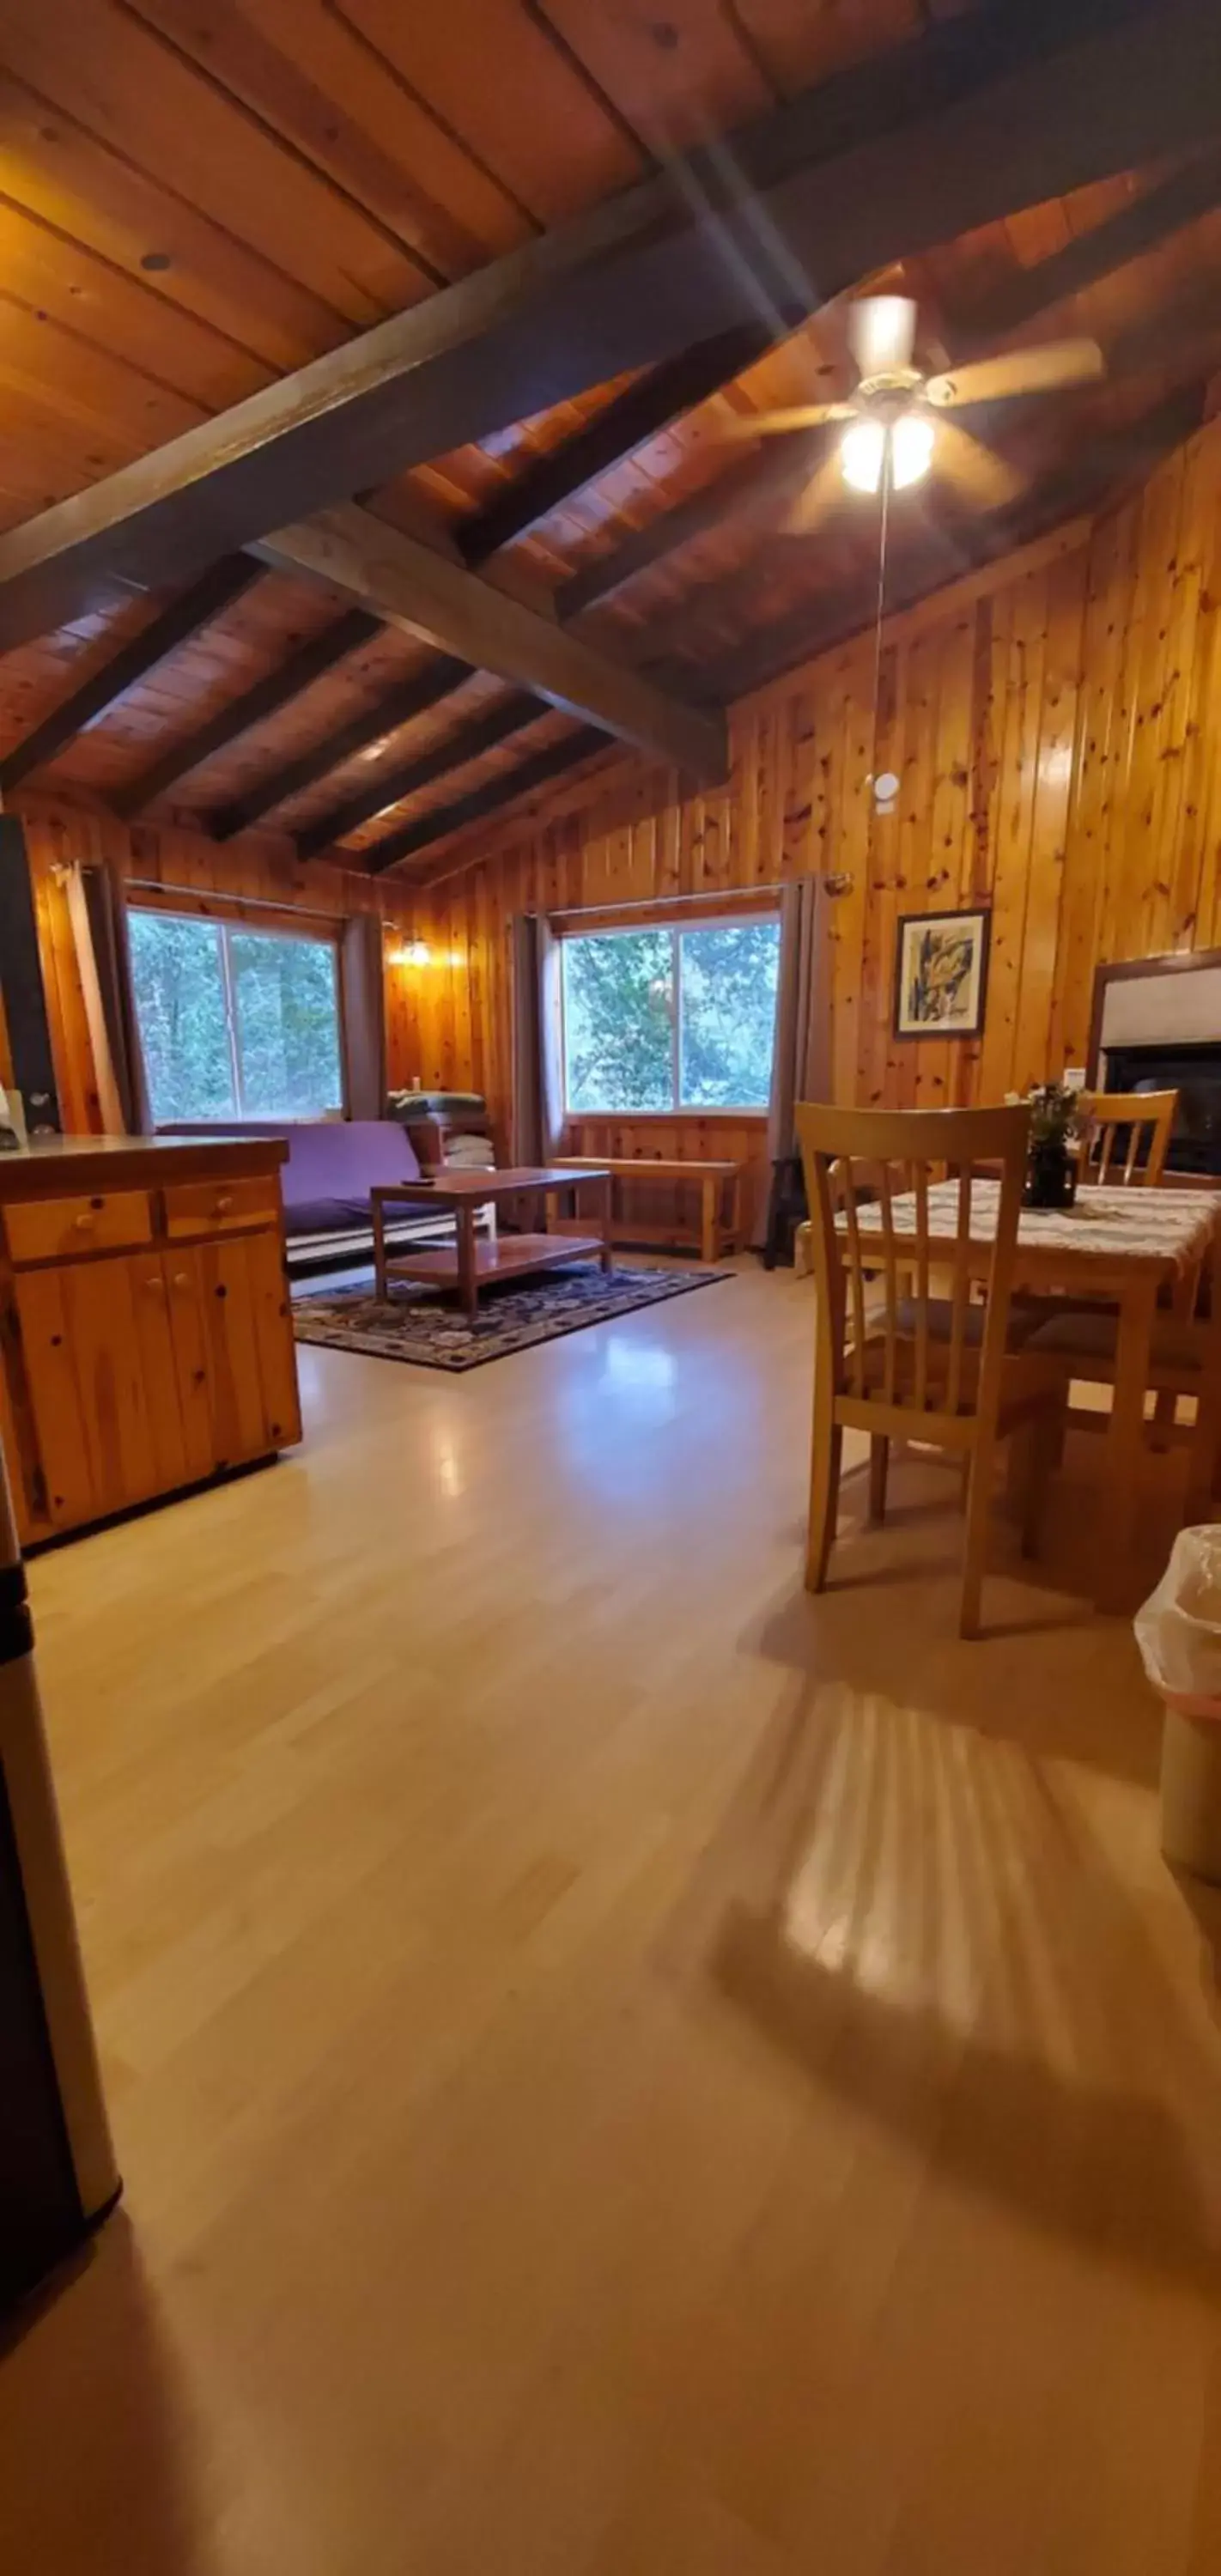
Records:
x=670, y=1019
x=234, y=1023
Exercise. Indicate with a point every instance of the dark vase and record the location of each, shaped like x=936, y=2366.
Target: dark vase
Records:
x=1051, y=1174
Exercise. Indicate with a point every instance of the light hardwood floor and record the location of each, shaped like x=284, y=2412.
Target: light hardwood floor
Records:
x=621, y=2069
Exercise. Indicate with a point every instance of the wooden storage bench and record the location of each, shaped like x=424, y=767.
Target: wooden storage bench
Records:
x=720, y=1197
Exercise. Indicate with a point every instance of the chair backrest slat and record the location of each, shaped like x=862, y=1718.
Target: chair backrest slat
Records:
x=891, y=1276
x=857, y=1278
x=918, y=1173
x=1147, y=1115
x=912, y=1365
x=961, y=1294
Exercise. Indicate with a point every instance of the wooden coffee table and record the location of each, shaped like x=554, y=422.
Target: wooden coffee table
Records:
x=468, y=1264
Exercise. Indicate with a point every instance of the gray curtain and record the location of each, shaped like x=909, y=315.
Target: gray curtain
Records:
x=362, y=985
x=801, y=1065
x=537, y=1103
x=106, y=931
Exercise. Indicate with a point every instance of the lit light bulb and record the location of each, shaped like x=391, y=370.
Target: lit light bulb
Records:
x=861, y=455
x=911, y=448
x=414, y=952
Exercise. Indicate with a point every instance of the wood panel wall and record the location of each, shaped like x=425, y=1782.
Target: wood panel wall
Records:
x=1056, y=727
x=258, y=869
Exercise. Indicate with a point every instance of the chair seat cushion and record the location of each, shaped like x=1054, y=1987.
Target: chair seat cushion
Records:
x=1093, y=1339
x=941, y=1323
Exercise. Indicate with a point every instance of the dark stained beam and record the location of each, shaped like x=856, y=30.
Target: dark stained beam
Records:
x=484, y=801
x=398, y=706
x=1139, y=227
x=625, y=424
x=1180, y=200
x=981, y=113
x=310, y=662
x=755, y=481
x=216, y=590
x=482, y=733
x=456, y=612
x=954, y=543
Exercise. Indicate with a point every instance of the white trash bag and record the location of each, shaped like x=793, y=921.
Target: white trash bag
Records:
x=1179, y=1635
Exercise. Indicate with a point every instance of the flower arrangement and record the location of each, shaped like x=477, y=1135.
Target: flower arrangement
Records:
x=1053, y=1113
x=1051, y=1178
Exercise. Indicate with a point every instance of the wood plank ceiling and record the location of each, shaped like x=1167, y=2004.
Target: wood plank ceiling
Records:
x=198, y=198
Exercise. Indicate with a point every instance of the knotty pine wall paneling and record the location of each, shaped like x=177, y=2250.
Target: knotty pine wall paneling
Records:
x=1055, y=724
x=257, y=868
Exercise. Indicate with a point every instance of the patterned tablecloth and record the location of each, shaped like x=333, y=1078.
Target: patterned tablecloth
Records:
x=1174, y=1226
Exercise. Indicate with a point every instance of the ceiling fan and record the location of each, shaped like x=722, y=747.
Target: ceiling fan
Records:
x=895, y=421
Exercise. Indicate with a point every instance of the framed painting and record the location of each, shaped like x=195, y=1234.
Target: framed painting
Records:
x=941, y=974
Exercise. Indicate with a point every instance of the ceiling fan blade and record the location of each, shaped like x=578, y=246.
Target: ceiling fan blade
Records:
x=985, y=478
x=816, y=499
x=1018, y=371
x=778, y=424
x=882, y=333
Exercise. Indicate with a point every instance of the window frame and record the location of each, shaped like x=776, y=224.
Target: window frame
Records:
x=225, y=921
x=676, y=927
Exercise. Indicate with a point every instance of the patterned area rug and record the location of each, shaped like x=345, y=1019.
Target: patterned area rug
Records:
x=421, y=1326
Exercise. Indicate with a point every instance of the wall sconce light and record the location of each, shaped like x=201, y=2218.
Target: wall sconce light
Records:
x=414, y=952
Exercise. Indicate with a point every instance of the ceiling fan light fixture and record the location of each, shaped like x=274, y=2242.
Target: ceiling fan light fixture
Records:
x=861, y=454
x=911, y=448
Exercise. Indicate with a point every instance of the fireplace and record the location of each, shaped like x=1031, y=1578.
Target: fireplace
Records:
x=1195, y=1073
x=1157, y=1027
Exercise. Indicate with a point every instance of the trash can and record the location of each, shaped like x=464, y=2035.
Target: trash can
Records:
x=1179, y=1635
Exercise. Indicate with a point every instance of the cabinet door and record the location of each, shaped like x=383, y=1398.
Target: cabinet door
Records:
x=103, y=1384
x=234, y=1350
x=16, y=1473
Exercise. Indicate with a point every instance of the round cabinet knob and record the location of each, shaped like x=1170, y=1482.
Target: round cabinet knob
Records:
x=83, y=1222
x=224, y=1201
x=156, y=1285
x=181, y=1279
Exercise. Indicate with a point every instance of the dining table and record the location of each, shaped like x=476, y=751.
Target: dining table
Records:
x=1122, y=1248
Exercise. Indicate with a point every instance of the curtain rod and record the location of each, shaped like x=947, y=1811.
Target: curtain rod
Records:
x=728, y=895
x=216, y=894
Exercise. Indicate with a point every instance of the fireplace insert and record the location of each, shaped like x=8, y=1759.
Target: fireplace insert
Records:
x=1195, y=1073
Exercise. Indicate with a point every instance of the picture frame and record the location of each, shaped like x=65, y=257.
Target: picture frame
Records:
x=941, y=973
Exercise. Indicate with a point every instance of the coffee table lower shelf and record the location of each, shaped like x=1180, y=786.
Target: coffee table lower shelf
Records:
x=510, y=1258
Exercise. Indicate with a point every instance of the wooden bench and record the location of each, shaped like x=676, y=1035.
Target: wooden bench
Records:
x=719, y=1186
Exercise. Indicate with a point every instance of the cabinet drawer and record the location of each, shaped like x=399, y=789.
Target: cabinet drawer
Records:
x=212, y=1207
x=62, y=1229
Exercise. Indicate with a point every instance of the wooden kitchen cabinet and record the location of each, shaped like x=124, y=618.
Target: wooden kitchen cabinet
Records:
x=236, y=1367
x=99, y=1360
x=125, y=1373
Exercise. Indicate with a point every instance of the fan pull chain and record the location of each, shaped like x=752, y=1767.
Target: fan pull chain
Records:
x=884, y=805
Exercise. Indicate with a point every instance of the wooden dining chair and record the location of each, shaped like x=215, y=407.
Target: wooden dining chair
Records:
x=891, y=1359
x=1184, y=1360
x=1148, y=1117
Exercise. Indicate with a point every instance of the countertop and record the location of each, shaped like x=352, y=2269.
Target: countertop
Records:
x=51, y=1163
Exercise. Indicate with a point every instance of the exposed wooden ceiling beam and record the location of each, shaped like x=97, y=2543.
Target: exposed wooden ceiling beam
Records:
x=1125, y=236
x=468, y=741
x=982, y=113
x=410, y=586
x=397, y=706
x=624, y=425
x=309, y=663
x=217, y=589
x=955, y=545
x=749, y=484
x=1139, y=227
x=485, y=800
